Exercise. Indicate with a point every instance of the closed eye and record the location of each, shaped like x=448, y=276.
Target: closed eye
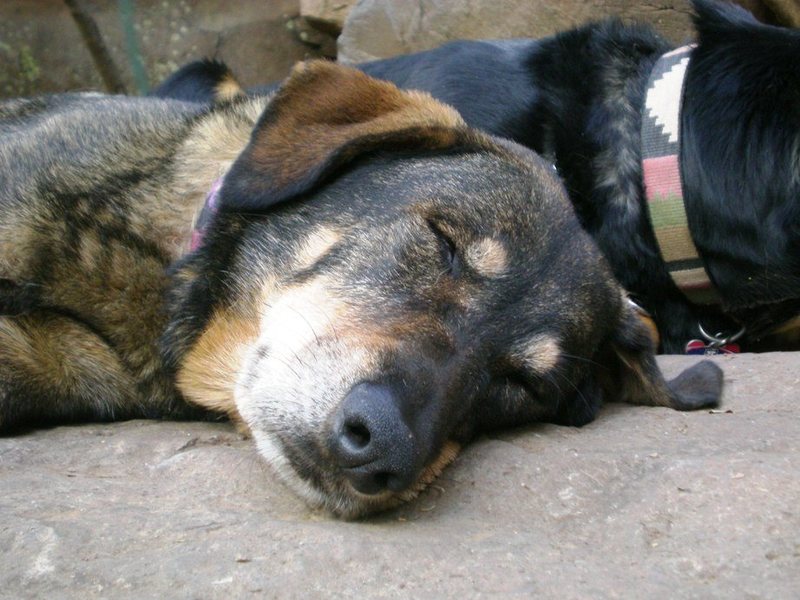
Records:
x=511, y=400
x=447, y=249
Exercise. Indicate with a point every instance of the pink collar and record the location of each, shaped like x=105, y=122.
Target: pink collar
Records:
x=206, y=215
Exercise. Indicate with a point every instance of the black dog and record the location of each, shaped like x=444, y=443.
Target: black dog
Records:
x=578, y=98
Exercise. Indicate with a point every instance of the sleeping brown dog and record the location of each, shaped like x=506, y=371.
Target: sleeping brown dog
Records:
x=348, y=271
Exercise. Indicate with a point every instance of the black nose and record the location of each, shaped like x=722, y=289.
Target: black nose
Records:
x=372, y=442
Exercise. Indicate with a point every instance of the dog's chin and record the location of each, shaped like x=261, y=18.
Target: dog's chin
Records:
x=336, y=495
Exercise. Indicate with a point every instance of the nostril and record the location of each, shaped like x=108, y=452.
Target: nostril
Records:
x=353, y=441
x=356, y=435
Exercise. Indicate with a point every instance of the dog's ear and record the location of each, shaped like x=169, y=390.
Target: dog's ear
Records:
x=204, y=81
x=323, y=117
x=629, y=372
x=712, y=17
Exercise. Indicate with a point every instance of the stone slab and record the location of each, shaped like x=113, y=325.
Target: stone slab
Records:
x=642, y=503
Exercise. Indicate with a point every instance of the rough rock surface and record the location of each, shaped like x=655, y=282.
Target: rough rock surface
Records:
x=332, y=12
x=41, y=50
x=642, y=503
x=381, y=28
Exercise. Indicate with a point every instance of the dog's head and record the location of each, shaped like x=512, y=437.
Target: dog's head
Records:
x=383, y=282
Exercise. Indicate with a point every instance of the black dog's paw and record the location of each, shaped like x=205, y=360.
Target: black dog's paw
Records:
x=699, y=386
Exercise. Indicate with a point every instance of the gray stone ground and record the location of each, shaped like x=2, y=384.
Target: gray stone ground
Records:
x=642, y=503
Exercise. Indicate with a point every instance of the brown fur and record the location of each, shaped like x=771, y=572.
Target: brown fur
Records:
x=208, y=374
x=308, y=123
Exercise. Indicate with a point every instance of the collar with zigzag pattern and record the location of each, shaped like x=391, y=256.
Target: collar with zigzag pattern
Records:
x=662, y=178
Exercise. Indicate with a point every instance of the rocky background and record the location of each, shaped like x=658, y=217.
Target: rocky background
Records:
x=130, y=45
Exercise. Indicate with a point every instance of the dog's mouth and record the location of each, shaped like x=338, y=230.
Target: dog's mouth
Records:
x=382, y=489
x=345, y=492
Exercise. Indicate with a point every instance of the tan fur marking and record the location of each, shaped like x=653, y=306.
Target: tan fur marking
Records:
x=644, y=317
x=208, y=374
x=433, y=470
x=227, y=89
x=540, y=354
x=789, y=332
x=652, y=328
x=315, y=246
x=488, y=257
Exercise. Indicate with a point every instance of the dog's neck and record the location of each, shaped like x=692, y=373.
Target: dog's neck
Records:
x=662, y=179
x=204, y=158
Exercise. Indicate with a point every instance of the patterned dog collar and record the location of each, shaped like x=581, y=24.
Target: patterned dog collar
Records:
x=662, y=177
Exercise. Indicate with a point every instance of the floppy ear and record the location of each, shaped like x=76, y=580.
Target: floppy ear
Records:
x=631, y=374
x=324, y=116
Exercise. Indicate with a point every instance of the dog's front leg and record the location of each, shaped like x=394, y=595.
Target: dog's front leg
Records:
x=56, y=369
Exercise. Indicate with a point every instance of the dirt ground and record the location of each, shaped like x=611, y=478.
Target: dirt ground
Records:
x=642, y=503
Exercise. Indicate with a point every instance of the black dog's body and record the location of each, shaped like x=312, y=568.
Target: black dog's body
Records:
x=578, y=98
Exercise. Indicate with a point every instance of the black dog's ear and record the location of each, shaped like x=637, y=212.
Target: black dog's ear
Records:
x=714, y=17
x=323, y=117
x=629, y=371
x=203, y=81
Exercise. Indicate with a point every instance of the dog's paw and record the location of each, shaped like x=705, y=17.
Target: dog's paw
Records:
x=699, y=386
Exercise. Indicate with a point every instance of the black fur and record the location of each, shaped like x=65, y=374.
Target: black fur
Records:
x=741, y=124
x=197, y=82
